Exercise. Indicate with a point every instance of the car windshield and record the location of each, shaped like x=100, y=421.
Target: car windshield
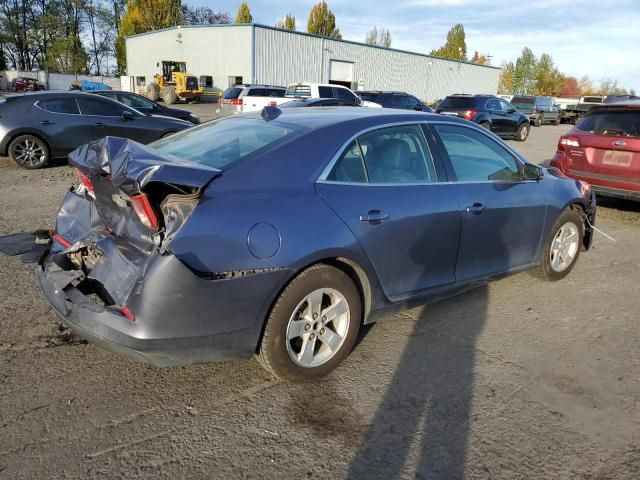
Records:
x=523, y=100
x=624, y=123
x=456, y=102
x=221, y=142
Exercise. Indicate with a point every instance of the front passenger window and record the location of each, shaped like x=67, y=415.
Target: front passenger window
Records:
x=477, y=158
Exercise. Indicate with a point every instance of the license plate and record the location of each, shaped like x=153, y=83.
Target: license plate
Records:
x=617, y=158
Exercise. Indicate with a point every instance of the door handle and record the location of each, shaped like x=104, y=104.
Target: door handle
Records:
x=99, y=124
x=476, y=208
x=374, y=216
x=46, y=122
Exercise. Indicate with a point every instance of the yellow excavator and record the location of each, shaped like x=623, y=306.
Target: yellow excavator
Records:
x=174, y=83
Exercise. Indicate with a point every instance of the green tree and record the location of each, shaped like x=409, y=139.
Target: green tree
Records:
x=3, y=62
x=244, y=14
x=505, y=85
x=322, y=21
x=455, y=47
x=549, y=81
x=381, y=38
x=288, y=23
x=524, y=73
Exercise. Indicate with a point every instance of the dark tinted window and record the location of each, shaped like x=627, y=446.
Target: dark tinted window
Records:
x=385, y=99
x=350, y=166
x=100, y=106
x=257, y=92
x=544, y=101
x=523, y=100
x=399, y=101
x=592, y=100
x=456, y=103
x=413, y=103
x=344, y=94
x=475, y=157
x=221, y=142
x=325, y=92
x=61, y=105
x=134, y=101
x=369, y=97
x=622, y=123
x=275, y=92
x=506, y=106
x=397, y=155
x=493, y=104
x=231, y=92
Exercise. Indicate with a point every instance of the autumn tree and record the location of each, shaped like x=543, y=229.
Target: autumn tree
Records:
x=570, y=88
x=455, y=47
x=585, y=85
x=287, y=23
x=548, y=79
x=381, y=38
x=480, y=59
x=322, y=21
x=244, y=14
x=505, y=85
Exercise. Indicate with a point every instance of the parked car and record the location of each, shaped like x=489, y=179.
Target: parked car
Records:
x=149, y=107
x=540, y=110
x=317, y=102
x=604, y=150
x=249, y=98
x=327, y=90
x=490, y=112
x=25, y=84
x=400, y=100
x=189, y=261
x=36, y=127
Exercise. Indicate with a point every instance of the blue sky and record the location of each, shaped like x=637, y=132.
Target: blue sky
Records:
x=599, y=39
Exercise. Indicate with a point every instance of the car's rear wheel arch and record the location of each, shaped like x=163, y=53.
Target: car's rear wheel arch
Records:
x=346, y=265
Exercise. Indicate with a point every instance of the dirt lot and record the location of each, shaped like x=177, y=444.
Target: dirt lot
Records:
x=520, y=380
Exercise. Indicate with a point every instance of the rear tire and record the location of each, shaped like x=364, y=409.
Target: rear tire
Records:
x=556, y=121
x=486, y=125
x=29, y=152
x=302, y=341
x=523, y=132
x=169, y=95
x=153, y=91
x=562, y=249
x=538, y=121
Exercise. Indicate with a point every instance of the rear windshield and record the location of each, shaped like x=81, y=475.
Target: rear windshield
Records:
x=231, y=93
x=221, y=142
x=523, y=100
x=456, y=102
x=620, y=123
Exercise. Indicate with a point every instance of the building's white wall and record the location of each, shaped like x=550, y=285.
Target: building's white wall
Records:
x=283, y=58
x=217, y=51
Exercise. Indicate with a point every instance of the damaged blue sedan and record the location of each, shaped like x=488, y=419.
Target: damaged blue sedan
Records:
x=279, y=234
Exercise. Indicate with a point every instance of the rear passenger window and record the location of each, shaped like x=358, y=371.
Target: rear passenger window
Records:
x=61, y=105
x=350, y=166
x=275, y=92
x=325, y=92
x=102, y=107
x=477, y=158
x=257, y=92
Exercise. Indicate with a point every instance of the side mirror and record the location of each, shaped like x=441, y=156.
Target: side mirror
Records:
x=511, y=110
x=532, y=172
x=127, y=115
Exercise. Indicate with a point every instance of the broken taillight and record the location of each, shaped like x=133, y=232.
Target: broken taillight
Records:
x=84, y=180
x=145, y=211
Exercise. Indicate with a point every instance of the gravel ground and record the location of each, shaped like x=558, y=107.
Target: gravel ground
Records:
x=519, y=380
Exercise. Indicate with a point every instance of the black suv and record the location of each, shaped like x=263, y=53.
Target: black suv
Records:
x=539, y=109
x=401, y=100
x=491, y=112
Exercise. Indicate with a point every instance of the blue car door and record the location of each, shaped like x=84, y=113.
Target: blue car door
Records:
x=502, y=215
x=388, y=189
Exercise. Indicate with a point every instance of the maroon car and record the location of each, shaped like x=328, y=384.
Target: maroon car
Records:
x=604, y=150
x=25, y=84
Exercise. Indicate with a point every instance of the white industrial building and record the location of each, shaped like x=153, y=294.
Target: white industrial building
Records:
x=255, y=53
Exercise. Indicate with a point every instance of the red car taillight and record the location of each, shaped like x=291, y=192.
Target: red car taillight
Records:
x=144, y=210
x=568, y=142
x=84, y=180
x=468, y=115
x=236, y=101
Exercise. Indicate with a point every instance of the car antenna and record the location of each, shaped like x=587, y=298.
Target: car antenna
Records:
x=270, y=113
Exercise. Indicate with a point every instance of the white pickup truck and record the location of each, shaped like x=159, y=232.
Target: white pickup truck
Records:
x=253, y=98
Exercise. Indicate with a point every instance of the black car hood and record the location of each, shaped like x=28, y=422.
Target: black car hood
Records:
x=131, y=165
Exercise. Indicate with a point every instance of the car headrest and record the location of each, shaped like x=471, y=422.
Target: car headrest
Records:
x=396, y=155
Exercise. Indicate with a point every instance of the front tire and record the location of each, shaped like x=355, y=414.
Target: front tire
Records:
x=29, y=152
x=312, y=326
x=169, y=95
x=153, y=91
x=562, y=248
x=523, y=132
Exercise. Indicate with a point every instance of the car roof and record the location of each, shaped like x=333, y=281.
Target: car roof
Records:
x=624, y=105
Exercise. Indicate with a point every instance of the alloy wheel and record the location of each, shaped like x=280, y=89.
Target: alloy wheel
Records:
x=564, y=247
x=318, y=327
x=29, y=153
